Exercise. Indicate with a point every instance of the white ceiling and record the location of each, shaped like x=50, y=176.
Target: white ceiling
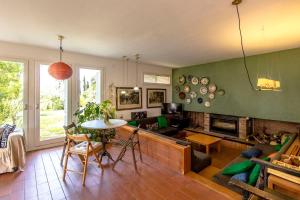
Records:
x=171, y=33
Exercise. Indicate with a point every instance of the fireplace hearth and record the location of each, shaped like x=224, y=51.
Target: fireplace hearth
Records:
x=224, y=124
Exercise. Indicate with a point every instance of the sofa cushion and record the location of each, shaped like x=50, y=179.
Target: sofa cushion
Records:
x=237, y=168
x=162, y=122
x=8, y=129
x=252, y=152
x=243, y=177
x=255, y=173
x=169, y=131
x=133, y=123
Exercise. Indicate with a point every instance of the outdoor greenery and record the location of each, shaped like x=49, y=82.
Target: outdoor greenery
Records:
x=11, y=91
x=88, y=93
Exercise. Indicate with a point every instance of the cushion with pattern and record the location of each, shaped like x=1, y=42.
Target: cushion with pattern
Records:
x=7, y=130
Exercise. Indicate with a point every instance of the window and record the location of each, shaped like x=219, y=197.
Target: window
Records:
x=157, y=79
x=90, y=87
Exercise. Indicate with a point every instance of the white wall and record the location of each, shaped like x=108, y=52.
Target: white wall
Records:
x=114, y=72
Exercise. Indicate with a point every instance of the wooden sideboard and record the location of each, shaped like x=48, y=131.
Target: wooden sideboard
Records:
x=166, y=151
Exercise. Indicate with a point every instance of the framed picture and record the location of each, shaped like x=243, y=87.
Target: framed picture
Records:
x=155, y=97
x=128, y=98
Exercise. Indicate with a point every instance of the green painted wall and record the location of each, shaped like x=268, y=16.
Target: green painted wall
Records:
x=239, y=99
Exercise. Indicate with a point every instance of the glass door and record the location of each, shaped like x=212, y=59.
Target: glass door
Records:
x=13, y=93
x=51, y=107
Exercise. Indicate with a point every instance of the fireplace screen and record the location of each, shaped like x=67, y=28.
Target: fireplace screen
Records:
x=227, y=125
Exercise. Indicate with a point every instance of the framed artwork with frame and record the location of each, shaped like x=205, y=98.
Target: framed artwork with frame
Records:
x=155, y=97
x=127, y=98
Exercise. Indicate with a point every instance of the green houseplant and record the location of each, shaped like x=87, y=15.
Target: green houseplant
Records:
x=93, y=111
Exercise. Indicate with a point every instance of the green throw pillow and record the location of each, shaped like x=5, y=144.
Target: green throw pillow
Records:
x=162, y=122
x=133, y=123
x=255, y=173
x=237, y=168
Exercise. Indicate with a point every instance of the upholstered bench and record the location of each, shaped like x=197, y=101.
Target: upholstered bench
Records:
x=200, y=161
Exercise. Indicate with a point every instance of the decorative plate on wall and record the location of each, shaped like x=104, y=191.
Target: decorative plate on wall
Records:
x=203, y=90
x=195, y=80
x=212, y=87
x=221, y=92
x=193, y=95
x=211, y=95
x=207, y=104
x=181, y=95
x=181, y=80
x=186, y=88
x=188, y=101
x=204, y=80
x=200, y=100
x=177, y=88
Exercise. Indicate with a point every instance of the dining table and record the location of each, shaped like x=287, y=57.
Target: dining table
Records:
x=101, y=125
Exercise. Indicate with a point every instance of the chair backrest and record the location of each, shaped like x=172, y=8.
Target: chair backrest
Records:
x=68, y=128
x=78, y=138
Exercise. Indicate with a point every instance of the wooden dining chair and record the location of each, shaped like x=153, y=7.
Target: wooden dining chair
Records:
x=132, y=141
x=83, y=149
x=69, y=129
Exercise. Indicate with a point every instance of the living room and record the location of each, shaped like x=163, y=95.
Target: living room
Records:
x=199, y=98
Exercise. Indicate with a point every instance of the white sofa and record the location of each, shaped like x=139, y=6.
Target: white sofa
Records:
x=13, y=156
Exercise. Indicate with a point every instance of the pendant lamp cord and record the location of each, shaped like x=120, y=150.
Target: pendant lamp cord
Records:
x=243, y=50
x=61, y=50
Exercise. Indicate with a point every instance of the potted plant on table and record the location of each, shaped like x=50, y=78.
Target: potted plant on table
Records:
x=94, y=111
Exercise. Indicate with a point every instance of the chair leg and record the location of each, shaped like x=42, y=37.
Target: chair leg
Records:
x=65, y=166
x=63, y=154
x=133, y=155
x=97, y=158
x=121, y=155
x=85, y=169
x=139, y=147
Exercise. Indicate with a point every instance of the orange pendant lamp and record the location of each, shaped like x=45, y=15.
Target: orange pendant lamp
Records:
x=60, y=70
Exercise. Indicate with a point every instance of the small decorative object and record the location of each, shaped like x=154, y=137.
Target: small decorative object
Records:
x=60, y=70
x=221, y=92
x=181, y=80
x=128, y=98
x=200, y=100
x=189, y=78
x=181, y=95
x=177, y=88
x=207, y=104
x=193, y=95
x=203, y=90
x=188, y=101
x=155, y=97
x=204, y=80
x=212, y=88
x=195, y=80
x=211, y=95
x=186, y=88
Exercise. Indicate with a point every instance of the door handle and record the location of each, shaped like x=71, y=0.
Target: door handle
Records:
x=37, y=106
x=26, y=107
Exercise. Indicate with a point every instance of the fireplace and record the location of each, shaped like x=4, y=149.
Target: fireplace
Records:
x=224, y=124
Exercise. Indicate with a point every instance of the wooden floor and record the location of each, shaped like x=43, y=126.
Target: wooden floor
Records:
x=42, y=180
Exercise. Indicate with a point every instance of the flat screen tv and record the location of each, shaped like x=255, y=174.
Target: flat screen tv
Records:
x=171, y=108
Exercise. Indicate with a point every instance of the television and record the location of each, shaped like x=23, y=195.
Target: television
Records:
x=171, y=108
